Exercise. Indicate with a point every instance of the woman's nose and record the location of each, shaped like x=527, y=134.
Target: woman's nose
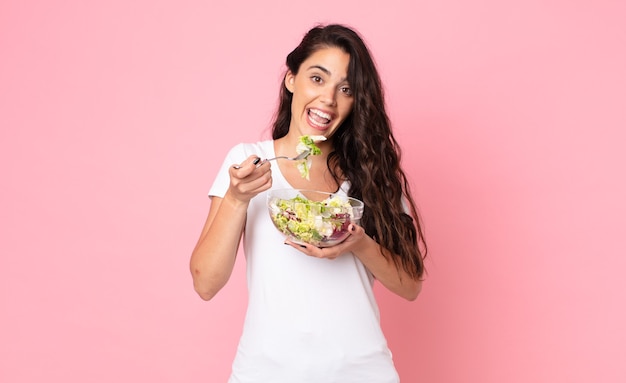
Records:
x=329, y=96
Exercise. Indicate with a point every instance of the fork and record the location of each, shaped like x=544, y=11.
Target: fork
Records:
x=299, y=157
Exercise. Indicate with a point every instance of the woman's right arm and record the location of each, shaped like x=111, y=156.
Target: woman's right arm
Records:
x=213, y=258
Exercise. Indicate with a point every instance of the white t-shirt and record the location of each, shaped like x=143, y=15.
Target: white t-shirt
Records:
x=308, y=320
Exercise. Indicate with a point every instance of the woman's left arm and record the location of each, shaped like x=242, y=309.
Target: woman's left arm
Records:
x=377, y=260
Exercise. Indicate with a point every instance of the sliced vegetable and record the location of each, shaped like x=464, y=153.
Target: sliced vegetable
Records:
x=312, y=222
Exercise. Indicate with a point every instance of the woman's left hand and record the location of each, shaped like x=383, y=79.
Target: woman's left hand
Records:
x=356, y=235
x=370, y=253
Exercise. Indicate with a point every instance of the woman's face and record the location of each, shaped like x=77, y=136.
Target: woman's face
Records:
x=322, y=97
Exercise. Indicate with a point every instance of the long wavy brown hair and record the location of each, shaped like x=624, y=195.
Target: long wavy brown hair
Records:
x=365, y=149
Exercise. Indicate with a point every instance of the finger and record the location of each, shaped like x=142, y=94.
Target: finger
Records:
x=297, y=246
x=264, y=164
x=245, y=172
x=319, y=252
x=254, y=160
x=314, y=251
x=355, y=230
x=260, y=183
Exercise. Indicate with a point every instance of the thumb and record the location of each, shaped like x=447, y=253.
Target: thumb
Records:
x=355, y=229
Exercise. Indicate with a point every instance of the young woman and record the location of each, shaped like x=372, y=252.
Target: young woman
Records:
x=310, y=319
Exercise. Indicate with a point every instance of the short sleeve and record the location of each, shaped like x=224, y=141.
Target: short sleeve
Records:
x=220, y=185
x=237, y=155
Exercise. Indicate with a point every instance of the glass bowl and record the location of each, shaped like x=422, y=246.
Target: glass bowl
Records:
x=318, y=218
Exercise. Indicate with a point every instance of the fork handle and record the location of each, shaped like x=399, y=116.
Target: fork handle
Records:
x=263, y=161
x=275, y=158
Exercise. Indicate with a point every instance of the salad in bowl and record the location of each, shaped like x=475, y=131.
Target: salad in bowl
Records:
x=318, y=218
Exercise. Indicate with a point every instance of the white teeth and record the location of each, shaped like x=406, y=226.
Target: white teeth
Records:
x=319, y=118
x=321, y=114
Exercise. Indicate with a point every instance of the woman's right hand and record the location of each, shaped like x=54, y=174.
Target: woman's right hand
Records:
x=249, y=178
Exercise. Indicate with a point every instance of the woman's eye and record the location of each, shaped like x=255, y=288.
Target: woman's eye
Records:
x=317, y=79
x=346, y=90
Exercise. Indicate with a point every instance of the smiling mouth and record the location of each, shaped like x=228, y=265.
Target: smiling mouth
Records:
x=319, y=118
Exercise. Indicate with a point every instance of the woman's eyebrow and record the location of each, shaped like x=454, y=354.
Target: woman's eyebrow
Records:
x=320, y=68
x=323, y=70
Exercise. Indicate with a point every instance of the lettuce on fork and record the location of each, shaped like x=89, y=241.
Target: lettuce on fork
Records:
x=307, y=143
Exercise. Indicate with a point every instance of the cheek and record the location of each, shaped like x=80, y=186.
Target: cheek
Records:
x=309, y=92
x=298, y=100
x=346, y=107
x=303, y=95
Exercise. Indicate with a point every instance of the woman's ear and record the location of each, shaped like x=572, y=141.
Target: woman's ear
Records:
x=290, y=78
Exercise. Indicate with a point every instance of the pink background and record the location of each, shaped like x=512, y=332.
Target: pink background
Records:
x=115, y=116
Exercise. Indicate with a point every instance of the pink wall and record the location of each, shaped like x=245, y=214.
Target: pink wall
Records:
x=512, y=115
